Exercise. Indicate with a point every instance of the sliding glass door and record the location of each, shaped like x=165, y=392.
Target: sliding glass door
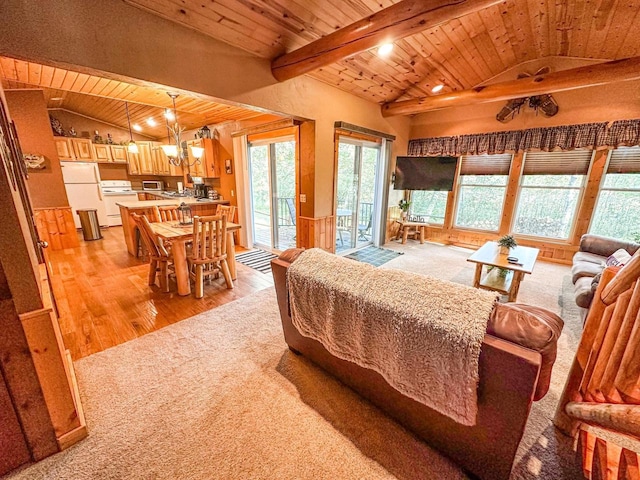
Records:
x=357, y=183
x=272, y=180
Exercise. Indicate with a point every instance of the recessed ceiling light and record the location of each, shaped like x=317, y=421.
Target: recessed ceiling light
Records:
x=168, y=114
x=151, y=122
x=437, y=88
x=385, y=49
x=136, y=127
x=56, y=99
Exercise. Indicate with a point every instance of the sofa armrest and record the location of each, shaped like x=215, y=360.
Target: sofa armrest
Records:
x=605, y=246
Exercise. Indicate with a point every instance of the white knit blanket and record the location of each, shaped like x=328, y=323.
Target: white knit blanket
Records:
x=423, y=335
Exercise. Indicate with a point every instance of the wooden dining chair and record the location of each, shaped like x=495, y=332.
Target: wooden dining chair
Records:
x=209, y=252
x=166, y=214
x=228, y=210
x=159, y=256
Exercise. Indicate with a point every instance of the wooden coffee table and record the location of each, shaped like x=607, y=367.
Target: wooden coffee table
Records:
x=489, y=255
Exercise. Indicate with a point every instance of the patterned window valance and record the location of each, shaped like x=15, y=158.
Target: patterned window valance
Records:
x=566, y=137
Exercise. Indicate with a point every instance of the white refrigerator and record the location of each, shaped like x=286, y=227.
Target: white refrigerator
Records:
x=82, y=182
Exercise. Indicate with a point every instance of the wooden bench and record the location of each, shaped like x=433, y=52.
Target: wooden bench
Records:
x=413, y=229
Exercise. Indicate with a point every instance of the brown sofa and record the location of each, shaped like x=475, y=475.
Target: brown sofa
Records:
x=511, y=376
x=589, y=262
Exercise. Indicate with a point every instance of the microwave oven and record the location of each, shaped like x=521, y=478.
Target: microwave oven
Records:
x=153, y=185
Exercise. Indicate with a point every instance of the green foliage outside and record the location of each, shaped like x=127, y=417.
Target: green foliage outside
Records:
x=617, y=212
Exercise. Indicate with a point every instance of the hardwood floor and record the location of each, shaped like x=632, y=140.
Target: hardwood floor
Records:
x=104, y=300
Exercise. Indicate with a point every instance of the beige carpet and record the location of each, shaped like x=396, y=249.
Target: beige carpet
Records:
x=219, y=396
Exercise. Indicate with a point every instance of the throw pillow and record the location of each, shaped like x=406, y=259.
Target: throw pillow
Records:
x=618, y=258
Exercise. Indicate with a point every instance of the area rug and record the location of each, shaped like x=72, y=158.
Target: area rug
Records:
x=375, y=256
x=220, y=396
x=257, y=259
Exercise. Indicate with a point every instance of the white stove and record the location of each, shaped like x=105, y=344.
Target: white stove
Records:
x=115, y=191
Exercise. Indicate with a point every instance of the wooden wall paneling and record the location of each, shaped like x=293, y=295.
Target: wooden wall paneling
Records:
x=318, y=233
x=20, y=374
x=511, y=194
x=56, y=227
x=590, y=194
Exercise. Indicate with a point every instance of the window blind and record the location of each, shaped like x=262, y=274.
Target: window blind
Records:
x=485, y=164
x=572, y=162
x=625, y=160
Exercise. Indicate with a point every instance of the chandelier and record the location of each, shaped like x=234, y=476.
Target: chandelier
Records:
x=176, y=152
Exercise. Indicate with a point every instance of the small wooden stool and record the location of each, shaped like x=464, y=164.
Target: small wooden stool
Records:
x=413, y=229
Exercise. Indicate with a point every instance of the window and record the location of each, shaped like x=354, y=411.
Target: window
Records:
x=549, y=192
x=481, y=191
x=429, y=204
x=617, y=213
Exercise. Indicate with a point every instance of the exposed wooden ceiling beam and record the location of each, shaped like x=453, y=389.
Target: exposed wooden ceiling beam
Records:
x=393, y=23
x=591, y=75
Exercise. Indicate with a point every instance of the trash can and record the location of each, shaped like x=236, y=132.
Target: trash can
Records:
x=90, y=224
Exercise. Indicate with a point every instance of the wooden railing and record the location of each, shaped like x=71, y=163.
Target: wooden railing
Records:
x=603, y=387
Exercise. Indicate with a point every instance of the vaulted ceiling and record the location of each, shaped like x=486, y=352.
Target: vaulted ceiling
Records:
x=104, y=99
x=461, y=54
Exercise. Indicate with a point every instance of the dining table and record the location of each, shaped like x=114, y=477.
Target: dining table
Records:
x=179, y=235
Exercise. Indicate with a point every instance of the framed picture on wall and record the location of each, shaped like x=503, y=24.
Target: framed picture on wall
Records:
x=227, y=166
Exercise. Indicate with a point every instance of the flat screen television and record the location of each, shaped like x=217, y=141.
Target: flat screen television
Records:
x=425, y=173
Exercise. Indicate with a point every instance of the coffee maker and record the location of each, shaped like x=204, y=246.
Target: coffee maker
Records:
x=200, y=190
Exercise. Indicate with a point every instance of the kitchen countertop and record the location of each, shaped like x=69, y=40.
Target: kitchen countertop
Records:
x=170, y=201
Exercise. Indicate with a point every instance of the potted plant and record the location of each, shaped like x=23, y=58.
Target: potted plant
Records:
x=404, y=206
x=506, y=243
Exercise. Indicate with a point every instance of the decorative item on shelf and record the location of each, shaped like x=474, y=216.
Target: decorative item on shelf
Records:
x=131, y=145
x=178, y=154
x=109, y=139
x=97, y=138
x=34, y=162
x=507, y=243
x=417, y=218
x=227, y=166
x=404, y=206
x=56, y=126
x=204, y=132
x=72, y=132
x=184, y=214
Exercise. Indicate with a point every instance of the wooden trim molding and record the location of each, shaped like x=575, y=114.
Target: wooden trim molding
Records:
x=265, y=127
x=350, y=128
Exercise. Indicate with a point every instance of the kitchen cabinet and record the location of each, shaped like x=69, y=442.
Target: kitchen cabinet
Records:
x=209, y=165
x=161, y=164
x=118, y=153
x=133, y=163
x=102, y=152
x=141, y=163
x=64, y=148
x=145, y=158
x=83, y=149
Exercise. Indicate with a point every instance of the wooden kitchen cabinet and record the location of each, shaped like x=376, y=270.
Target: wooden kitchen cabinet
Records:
x=145, y=158
x=118, y=153
x=161, y=164
x=64, y=148
x=141, y=163
x=133, y=163
x=83, y=150
x=209, y=165
x=102, y=152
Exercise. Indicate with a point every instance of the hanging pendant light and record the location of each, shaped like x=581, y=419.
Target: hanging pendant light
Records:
x=175, y=152
x=131, y=146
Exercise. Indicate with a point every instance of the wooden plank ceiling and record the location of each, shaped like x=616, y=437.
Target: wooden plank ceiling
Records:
x=104, y=99
x=460, y=54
